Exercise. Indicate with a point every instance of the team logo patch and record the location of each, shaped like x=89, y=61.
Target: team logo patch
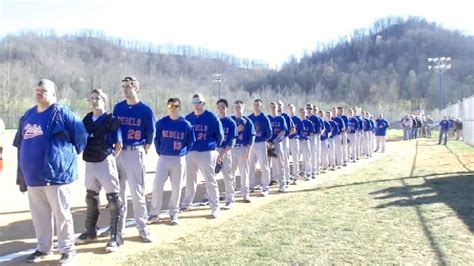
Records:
x=32, y=131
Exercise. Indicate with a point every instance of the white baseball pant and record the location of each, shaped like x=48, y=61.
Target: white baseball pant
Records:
x=324, y=154
x=278, y=169
x=205, y=163
x=259, y=154
x=352, y=145
x=306, y=152
x=132, y=171
x=380, y=143
x=229, y=178
x=338, y=149
x=243, y=166
x=174, y=168
x=295, y=154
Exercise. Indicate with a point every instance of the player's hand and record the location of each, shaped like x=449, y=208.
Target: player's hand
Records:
x=240, y=128
x=118, y=148
x=246, y=155
x=292, y=131
x=147, y=147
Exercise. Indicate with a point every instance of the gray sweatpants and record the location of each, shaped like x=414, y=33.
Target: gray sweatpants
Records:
x=47, y=202
x=380, y=143
x=259, y=154
x=174, y=168
x=132, y=171
x=295, y=157
x=102, y=174
x=205, y=163
x=278, y=169
x=352, y=146
x=243, y=165
x=229, y=178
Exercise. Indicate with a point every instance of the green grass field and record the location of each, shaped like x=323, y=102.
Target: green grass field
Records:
x=414, y=206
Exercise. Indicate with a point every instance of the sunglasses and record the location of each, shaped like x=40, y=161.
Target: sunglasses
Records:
x=173, y=106
x=197, y=101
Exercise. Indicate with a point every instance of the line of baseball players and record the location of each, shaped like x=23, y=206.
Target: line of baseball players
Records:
x=204, y=142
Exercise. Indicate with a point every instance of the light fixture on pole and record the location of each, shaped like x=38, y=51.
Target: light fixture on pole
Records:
x=440, y=65
x=218, y=78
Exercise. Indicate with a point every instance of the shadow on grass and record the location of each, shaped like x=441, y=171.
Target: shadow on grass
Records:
x=453, y=189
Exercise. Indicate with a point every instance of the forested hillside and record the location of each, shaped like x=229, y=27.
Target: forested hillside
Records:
x=383, y=68
x=386, y=63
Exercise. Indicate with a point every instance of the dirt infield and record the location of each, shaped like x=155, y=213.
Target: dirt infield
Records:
x=17, y=234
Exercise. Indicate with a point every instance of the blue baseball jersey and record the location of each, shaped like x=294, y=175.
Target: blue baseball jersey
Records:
x=247, y=135
x=451, y=123
x=308, y=129
x=334, y=129
x=444, y=125
x=32, y=147
x=263, y=127
x=360, y=120
x=317, y=123
x=207, y=130
x=345, y=119
x=278, y=125
x=174, y=137
x=298, y=126
x=367, y=124
x=327, y=131
x=353, y=125
x=340, y=123
x=230, y=132
x=137, y=123
x=373, y=124
x=381, y=127
x=289, y=123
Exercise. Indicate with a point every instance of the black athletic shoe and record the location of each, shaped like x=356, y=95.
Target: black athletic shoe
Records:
x=85, y=238
x=67, y=258
x=36, y=256
x=272, y=183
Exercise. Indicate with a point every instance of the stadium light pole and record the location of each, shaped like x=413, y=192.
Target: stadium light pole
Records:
x=440, y=65
x=218, y=78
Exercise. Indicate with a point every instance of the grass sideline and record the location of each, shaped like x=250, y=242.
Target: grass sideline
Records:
x=411, y=207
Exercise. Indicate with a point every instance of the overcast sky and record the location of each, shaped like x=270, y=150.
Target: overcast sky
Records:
x=263, y=30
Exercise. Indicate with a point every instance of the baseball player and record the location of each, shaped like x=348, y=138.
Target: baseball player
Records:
x=305, y=139
x=243, y=146
x=334, y=132
x=337, y=138
x=103, y=146
x=278, y=128
x=360, y=134
x=294, y=138
x=138, y=127
x=366, y=138
x=345, y=149
x=174, y=138
x=352, y=128
x=372, y=133
x=224, y=149
x=263, y=131
x=325, y=133
x=315, y=141
x=203, y=156
x=49, y=138
x=286, y=141
x=380, y=132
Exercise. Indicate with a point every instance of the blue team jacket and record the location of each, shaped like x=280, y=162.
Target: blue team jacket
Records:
x=66, y=138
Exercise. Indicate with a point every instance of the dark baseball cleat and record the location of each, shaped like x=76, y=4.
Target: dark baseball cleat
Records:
x=174, y=219
x=37, y=256
x=145, y=237
x=67, y=258
x=85, y=238
x=247, y=200
x=153, y=219
x=272, y=183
